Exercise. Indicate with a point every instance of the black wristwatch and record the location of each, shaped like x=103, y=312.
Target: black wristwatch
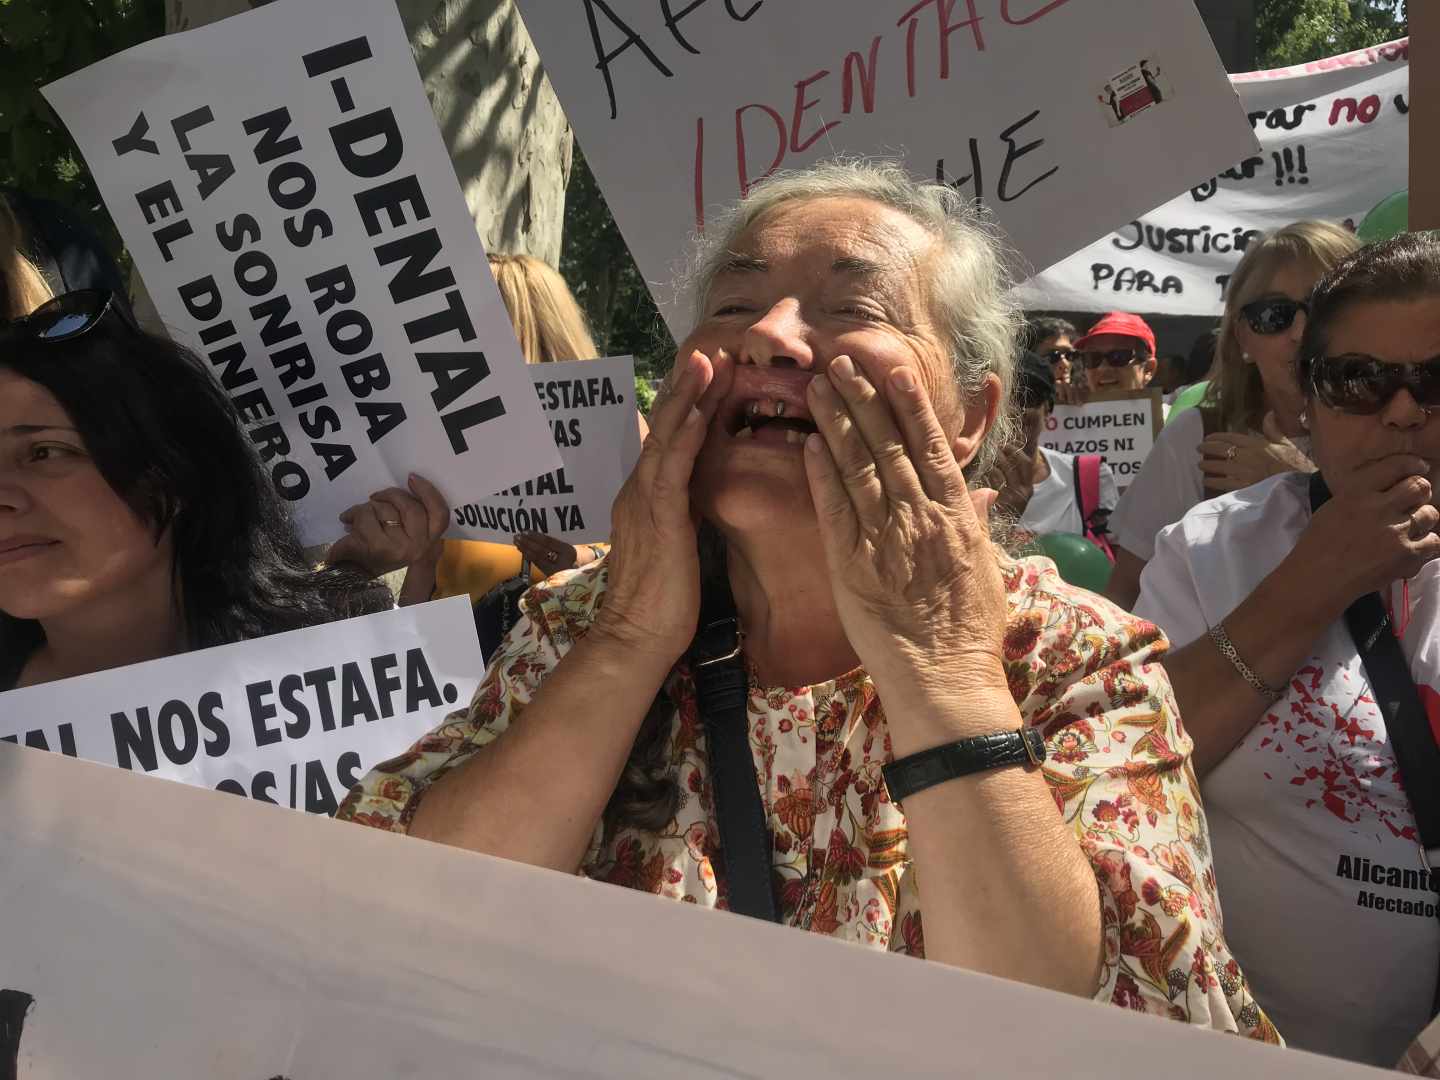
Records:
x=930, y=767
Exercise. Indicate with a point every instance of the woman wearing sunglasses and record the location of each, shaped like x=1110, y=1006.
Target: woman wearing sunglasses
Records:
x=136, y=520
x=1248, y=426
x=1053, y=339
x=1328, y=900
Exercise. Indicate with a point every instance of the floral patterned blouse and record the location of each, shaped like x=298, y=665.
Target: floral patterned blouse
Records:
x=1083, y=672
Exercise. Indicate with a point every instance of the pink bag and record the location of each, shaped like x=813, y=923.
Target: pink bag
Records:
x=1087, y=496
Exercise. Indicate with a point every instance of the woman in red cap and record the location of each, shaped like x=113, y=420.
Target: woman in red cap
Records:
x=1118, y=353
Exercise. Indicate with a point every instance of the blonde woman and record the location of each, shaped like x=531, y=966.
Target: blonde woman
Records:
x=548, y=322
x=1248, y=426
x=550, y=327
x=24, y=288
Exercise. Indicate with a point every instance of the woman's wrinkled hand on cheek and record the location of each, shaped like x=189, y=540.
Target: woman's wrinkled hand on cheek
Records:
x=914, y=576
x=652, y=603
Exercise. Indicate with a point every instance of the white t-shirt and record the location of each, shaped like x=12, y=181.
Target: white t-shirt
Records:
x=1168, y=484
x=1317, y=858
x=1052, y=507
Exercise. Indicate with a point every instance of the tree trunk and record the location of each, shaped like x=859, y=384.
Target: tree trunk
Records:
x=508, y=138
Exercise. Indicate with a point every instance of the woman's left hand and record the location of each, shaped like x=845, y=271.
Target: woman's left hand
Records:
x=914, y=576
x=393, y=529
x=1230, y=460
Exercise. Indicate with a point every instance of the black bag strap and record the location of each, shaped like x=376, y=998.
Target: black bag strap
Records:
x=510, y=603
x=1079, y=490
x=1406, y=721
x=722, y=691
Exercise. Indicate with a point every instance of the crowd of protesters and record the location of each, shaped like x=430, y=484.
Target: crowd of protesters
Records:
x=818, y=565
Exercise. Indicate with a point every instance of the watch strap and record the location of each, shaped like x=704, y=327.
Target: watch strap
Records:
x=917, y=772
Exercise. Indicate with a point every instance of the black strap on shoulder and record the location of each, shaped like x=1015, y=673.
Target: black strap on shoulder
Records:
x=1079, y=490
x=1406, y=722
x=722, y=690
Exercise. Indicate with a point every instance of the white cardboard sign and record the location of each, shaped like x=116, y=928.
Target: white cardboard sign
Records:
x=681, y=110
x=155, y=930
x=591, y=408
x=1334, y=142
x=286, y=194
x=294, y=719
x=1120, y=427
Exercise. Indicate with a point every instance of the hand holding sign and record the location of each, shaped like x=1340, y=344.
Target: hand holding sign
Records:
x=394, y=529
x=549, y=553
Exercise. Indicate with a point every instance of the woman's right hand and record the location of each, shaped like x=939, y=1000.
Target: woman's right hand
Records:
x=652, y=603
x=1381, y=531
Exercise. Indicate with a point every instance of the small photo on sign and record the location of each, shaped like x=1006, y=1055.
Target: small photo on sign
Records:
x=1137, y=88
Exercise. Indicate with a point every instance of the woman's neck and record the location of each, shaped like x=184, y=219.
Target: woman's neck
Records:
x=141, y=623
x=1041, y=471
x=781, y=585
x=1287, y=409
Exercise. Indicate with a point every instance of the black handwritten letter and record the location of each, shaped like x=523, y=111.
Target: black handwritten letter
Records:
x=605, y=59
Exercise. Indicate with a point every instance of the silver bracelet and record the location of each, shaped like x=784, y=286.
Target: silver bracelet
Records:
x=1227, y=649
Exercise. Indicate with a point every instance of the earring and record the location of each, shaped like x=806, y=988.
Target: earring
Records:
x=1245, y=357
x=1305, y=419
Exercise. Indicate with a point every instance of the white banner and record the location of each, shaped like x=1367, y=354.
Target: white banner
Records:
x=1120, y=427
x=281, y=183
x=1334, y=142
x=293, y=719
x=154, y=930
x=593, y=415
x=681, y=110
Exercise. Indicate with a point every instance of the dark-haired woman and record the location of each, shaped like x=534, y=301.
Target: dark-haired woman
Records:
x=1328, y=896
x=135, y=518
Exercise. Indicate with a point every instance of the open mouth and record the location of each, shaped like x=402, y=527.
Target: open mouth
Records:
x=772, y=421
x=775, y=425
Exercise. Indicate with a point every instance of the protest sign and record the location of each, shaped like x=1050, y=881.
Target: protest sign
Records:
x=293, y=719
x=1120, y=426
x=155, y=930
x=591, y=407
x=681, y=111
x=285, y=192
x=1334, y=142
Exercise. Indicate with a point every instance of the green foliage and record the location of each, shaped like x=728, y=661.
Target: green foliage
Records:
x=597, y=265
x=644, y=394
x=41, y=40
x=1298, y=31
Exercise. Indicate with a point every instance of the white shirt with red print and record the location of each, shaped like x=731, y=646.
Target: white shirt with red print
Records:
x=1326, y=901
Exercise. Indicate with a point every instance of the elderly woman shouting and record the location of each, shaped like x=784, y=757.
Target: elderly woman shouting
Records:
x=852, y=352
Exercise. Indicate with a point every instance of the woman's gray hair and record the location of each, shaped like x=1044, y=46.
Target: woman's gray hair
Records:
x=969, y=287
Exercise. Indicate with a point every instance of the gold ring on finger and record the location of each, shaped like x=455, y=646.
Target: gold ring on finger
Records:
x=1230, y=454
x=389, y=524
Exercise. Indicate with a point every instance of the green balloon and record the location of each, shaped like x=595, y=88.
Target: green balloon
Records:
x=1391, y=217
x=1189, y=397
x=1079, y=561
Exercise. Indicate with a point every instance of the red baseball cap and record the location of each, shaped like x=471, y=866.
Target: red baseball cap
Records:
x=1123, y=323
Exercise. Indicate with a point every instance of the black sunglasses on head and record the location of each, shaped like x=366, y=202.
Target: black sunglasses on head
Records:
x=66, y=317
x=1273, y=315
x=1364, y=385
x=1092, y=359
